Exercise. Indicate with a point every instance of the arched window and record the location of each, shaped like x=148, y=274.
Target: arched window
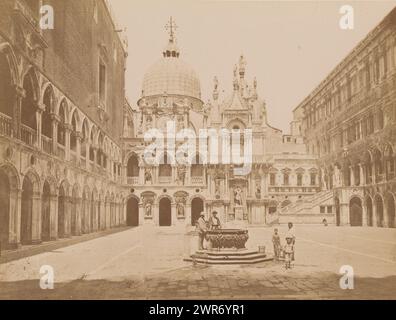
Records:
x=91, y=147
x=197, y=169
x=165, y=169
x=6, y=95
x=299, y=179
x=84, y=139
x=73, y=134
x=133, y=166
x=28, y=109
x=46, y=123
x=62, y=123
x=272, y=179
x=286, y=179
x=313, y=178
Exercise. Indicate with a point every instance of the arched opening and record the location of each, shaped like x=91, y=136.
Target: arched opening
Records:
x=28, y=111
x=165, y=214
x=73, y=133
x=46, y=123
x=337, y=210
x=368, y=165
x=355, y=212
x=75, y=212
x=379, y=211
x=26, y=210
x=197, y=169
x=45, y=212
x=378, y=165
x=197, y=206
x=6, y=90
x=93, y=213
x=61, y=129
x=347, y=174
x=61, y=212
x=84, y=139
x=132, y=218
x=165, y=169
x=5, y=207
x=133, y=166
x=84, y=211
x=390, y=206
x=369, y=209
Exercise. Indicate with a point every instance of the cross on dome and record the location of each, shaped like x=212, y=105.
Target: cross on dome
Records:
x=171, y=49
x=171, y=27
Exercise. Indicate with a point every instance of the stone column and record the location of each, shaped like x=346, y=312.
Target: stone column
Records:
x=141, y=174
x=173, y=214
x=142, y=214
x=361, y=173
x=15, y=219
x=364, y=214
x=19, y=93
x=375, y=222
x=39, y=112
x=385, y=213
x=53, y=217
x=352, y=175
x=187, y=214
x=87, y=147
x=55, y=123
x=188, y=181
x=36, y=218
x=68, y=130
x=78, y=147
x=77, y=214
x=102, y=215
x=344, y=214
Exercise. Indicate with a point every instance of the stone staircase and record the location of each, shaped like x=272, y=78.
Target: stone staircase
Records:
x=309, y=208
x=213, y=257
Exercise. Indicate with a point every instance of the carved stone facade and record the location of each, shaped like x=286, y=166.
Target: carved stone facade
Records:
x=349, y=123
x=282, y=172
x=60, y=159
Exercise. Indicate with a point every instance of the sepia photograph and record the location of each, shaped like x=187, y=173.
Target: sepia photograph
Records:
x=219, y=151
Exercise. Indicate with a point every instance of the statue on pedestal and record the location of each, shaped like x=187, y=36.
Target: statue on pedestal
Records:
x=238, y=196
x=148, y=175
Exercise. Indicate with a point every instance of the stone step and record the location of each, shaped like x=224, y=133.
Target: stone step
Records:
x=229, y=261
x=228, y=257
x=236, y=253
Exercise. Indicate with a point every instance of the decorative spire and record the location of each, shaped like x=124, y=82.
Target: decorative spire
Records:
x=171, y=50
x=171, y=27
x=242, y=66
x=216, y=88
x=236, y=82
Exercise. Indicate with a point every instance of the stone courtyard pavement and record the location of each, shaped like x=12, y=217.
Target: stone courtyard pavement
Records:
x=147, y=263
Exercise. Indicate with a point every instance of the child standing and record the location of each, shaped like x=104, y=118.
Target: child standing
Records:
x=288, y=250
x=276, y=243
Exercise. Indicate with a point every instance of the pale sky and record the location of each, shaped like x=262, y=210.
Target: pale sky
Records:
x=289, y=46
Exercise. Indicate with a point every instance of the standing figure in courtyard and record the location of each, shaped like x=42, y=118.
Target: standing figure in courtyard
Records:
x=277, y=244
x=214, y=222
x=290, y=234
x=201, y=227
x=289, y=252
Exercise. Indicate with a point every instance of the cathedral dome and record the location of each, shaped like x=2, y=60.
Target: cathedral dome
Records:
x=171, y=75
